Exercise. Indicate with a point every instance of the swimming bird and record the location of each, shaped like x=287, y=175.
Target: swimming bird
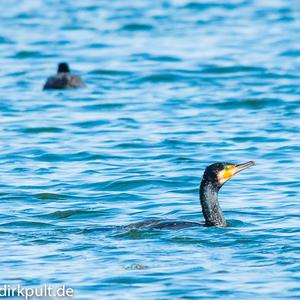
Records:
x=213, y=179
x=64, y=79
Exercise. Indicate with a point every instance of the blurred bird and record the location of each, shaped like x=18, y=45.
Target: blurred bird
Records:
x=64, y=79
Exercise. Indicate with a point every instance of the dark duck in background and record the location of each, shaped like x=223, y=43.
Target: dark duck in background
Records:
x=213, y=179
x=64, y=79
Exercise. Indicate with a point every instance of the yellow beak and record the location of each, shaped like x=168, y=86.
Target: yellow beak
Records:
x=231, y=170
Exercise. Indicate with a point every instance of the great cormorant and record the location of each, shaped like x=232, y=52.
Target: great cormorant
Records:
x=213, y=179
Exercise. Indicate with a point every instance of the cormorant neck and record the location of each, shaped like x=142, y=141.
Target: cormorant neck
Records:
x=211, y=209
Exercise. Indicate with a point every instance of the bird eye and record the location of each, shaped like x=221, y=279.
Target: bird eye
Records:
x=227, y=168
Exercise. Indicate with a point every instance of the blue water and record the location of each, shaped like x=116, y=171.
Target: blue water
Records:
x=172, y=86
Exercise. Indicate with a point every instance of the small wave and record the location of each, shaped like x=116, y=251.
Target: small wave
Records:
x=162, y=77
x=32, y=54
x=85, y=156
x=90, y=124
x=249, y=103
x=5, y=40
x=290, y=53
x=137, y=234
x=42, y=129
x=162, y=58
x=99, y=45
x=233, y=69
x=111, y=72
x=137, y=27
x=103, y=106
x=63, y=214
x=132, y=145
x=127, y=184
x=50, y=196
x=209, y=5
x=27, y=224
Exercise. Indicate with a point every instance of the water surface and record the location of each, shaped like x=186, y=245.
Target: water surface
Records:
x=172, y=86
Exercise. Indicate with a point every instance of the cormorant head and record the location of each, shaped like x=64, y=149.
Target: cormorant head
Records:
x=218, y=173
x=63, y=68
